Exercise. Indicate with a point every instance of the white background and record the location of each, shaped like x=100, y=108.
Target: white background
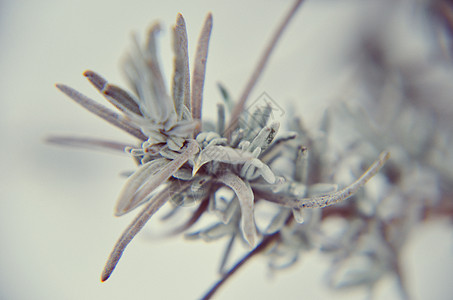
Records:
x=56, y=205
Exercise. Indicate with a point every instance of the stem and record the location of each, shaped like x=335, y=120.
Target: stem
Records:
x=260, y=248
x=194, y=218
x=239, y=107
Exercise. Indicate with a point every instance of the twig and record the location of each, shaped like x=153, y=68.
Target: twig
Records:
x=260, y=248
x=239, y=107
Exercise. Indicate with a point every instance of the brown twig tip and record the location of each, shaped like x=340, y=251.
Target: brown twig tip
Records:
x=105, y=276
x=95, y=79
x=180, y=20
x=209, y=18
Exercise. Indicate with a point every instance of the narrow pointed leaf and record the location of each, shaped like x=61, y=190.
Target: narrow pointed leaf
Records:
x=185, y=128
x=158, y=83
x=220, y=118
x=215, y=232
x=226, y=97
x=102, y=111
x=245, y=196
x=200, y=68
x=226, y=254
x=278, y=221
x=181, y=77
x=115, y=95
x=301, y=169
x=141, y=176
x=84, y=142
x=128, y=200
x=122, y=99
x=148, y=211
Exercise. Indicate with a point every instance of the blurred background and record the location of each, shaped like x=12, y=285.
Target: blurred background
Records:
x=56, y=204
